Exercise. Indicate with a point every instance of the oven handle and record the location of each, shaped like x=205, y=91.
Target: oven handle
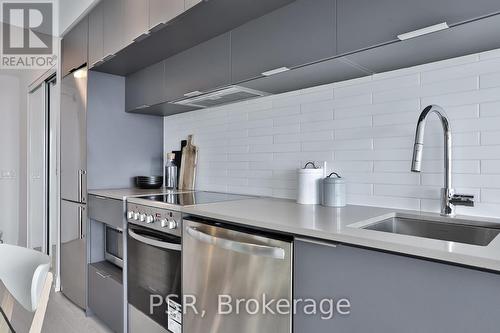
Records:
x=154, y=242
x=240, y=247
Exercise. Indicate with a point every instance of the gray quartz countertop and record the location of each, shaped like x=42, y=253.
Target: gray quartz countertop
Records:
x=123, y=193
x=343, y=225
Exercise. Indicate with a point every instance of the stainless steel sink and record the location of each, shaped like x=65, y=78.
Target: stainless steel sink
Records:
x=473, y=234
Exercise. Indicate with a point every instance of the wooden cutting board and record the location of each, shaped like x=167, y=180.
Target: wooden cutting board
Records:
x=188, y=165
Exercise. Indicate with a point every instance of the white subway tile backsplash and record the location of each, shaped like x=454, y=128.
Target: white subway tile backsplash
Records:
x=490, y=109
x=432, y=89
x=464, y=70
x=490, y=138
x=490, y=80
x=490, y=167
x=490, y=195
x=364, y=128
x=378, y=86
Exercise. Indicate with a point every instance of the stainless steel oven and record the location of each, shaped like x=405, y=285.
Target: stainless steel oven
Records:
x=113, y=245
x=154, y=270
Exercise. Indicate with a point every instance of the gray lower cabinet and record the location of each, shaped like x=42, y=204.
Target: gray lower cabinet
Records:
x=203, y=67
x=297, y=34
x=106, y=210
x=392, y=293
x=96, y=43
x=145, y=87
x=106, y=294
x=74, y=47
x=367, y=23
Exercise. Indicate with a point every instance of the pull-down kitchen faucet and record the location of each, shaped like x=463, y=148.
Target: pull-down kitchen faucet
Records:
x=448, y=197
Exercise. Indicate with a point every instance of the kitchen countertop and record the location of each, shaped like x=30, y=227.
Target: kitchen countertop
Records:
x=343, y=225
x=124, y=193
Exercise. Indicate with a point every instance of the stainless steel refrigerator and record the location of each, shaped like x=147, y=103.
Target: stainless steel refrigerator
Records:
x=74, y=186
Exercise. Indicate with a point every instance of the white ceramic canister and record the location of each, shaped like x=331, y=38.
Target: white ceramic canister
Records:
x=334, y=191
x=309, y=184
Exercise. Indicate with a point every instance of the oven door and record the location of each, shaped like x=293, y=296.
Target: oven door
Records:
x=154, y=271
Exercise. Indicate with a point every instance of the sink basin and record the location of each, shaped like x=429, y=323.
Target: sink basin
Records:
x=453, y=232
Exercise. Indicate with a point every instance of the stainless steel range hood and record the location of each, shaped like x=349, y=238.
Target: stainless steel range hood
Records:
x=226, y=95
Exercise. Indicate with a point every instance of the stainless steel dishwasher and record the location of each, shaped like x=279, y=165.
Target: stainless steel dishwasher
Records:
x=235, y=264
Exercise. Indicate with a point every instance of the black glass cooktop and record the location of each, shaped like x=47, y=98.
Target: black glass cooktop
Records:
x=194, y=198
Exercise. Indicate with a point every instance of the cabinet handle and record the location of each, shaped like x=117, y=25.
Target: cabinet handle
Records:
x=144, y=106
x=104, y=276
x=275, y=71
x=193, y=93
x=317, y=242
x=156, y=27
x=81, y=196
x=95, y=63
x=109, y=56
x=423, y=31
x=141, y=37
x=80, y=222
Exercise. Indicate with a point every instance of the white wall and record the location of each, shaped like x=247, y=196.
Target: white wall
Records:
x=364, y=128
x=9, y=152
x=71, y=10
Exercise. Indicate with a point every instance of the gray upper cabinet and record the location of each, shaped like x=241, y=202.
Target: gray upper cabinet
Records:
x=162, y=11
x=113, y=29
x=96, y=43
x=201, y=68
x=297, y=34
x=74, y=47
x=145, y=87
x=367, y=23
x=136, y=18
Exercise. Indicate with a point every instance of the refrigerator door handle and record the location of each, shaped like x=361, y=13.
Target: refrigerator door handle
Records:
x=80, y=222
x=235, y=246
x=81, y=196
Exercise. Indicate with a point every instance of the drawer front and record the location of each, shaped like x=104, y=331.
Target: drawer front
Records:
x=106, y=298
x=106, y=210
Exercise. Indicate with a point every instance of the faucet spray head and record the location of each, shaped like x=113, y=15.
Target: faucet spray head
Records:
x=416, y=163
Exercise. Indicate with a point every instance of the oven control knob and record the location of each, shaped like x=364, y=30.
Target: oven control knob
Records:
x=136, y=216
x=142, y=217
x=172, y=224
x=163, y=223
x=130, y=214
x=150, y=219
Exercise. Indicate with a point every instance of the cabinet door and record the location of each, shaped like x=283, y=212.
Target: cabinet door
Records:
x=106, y=295
x=392, y=293
x=203, y=67
x=74, y=47
x=113, y=36
x=73, y=148
x=136, y=16
x=96, y=44
x=162, y=11
x=145, y=87
x=299, y=33
x=73, y=252
x=366, y=23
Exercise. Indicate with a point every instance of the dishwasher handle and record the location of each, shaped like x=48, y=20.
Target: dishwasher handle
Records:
x=240, y=247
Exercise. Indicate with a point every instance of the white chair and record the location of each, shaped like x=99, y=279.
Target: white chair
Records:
x=25, y=274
